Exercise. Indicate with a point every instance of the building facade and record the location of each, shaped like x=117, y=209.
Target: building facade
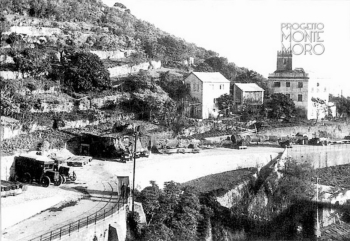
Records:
x=206, y=87
x=298, y=86
x=248, y=93
x=293, y=83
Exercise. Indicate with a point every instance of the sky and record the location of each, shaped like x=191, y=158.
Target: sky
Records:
x=248, y=33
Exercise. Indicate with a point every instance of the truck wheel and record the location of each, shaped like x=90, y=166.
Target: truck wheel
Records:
x=45, y=181
x=27, y=178
x=59, y=181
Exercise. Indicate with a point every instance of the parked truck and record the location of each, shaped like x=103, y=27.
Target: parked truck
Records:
x=36, y=168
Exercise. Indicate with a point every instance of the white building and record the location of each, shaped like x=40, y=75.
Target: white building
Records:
x=318, y=88
x=207, y=87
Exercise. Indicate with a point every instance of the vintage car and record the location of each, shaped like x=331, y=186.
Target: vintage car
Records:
x=78, y=161
x=36, y=168
x=318, y=141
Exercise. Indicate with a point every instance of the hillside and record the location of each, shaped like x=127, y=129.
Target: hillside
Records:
x=84, y=62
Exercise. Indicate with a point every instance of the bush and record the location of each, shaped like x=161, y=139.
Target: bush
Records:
x=85, y=71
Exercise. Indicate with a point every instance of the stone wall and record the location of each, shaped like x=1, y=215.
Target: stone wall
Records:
x=117, y=54
x=34, y=31
x=230, y=198
x=321, y=156
x=111, y=228
x=67, y=106
x=126, y=69
x=12, y=75
x=6, y=59
x=9, y=131
x=331, y=131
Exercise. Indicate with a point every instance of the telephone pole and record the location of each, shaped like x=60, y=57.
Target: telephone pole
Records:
x=136, y=132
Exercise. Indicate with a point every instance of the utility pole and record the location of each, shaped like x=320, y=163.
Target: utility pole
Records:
x=136, y=132
x=318, y=231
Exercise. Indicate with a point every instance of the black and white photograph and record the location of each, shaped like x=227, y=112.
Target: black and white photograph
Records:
x=175, y=120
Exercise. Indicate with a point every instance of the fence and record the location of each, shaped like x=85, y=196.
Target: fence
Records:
x=81, y=223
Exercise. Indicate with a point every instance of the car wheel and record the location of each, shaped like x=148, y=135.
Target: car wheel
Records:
x=59, y=181
x=45, y=181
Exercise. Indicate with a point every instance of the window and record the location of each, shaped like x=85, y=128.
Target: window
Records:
x=300, y=84
x=318, y=84
x=277, y=84
x=287, y=84
x=288, y=95
x=300, y=98
x=220, y=87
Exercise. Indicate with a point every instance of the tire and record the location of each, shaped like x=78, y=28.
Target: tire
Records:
x=27, y=178
x=45, y=181
x=59, y=181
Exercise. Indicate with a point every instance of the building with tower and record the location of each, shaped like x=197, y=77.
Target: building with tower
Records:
x=297, y=85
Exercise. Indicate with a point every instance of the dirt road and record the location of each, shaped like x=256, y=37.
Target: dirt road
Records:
x=95, y=177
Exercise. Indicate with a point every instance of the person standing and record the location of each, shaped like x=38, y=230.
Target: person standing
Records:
x=123, y=190
x=127, y=191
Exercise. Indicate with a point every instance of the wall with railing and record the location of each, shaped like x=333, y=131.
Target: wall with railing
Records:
x=109, y=221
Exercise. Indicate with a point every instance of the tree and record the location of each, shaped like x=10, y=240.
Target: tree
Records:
x=32, y=61
x=295, y=185
x=150, y=200
x=84, y=71
x=343, y=105
x=175, y=87
x=320, y=106
x=225, y=102
x=280, y=106
x=204, y=67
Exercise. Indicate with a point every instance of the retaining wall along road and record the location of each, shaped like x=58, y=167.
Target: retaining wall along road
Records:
x=321, y=156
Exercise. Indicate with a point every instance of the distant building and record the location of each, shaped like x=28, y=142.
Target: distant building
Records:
x=206, y=87
x=248, y=93
x=297, y=85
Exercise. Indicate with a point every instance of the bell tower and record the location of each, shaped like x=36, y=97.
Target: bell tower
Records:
x=284, y=60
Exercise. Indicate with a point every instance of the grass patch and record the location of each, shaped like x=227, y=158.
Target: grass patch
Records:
x=222, y=182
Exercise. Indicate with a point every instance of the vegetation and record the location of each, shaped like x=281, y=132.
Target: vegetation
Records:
x=32, y=61
x=342, y=104
x=172, y=213
x=225, y=102
x=232, y=72
x=280, y=106
x=85, y=71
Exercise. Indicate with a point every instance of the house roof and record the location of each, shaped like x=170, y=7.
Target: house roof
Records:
x=249, y=87
x=211, y=77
